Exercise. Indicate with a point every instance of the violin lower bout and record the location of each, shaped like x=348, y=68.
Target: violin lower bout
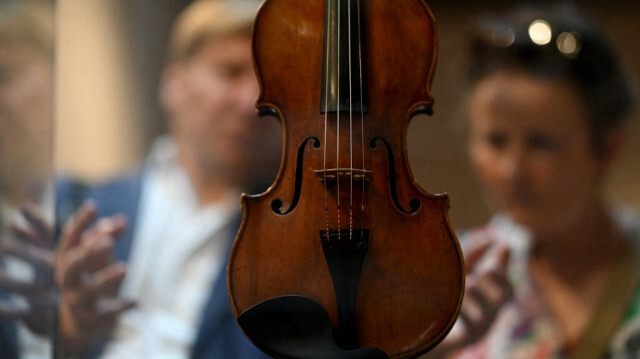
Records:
x=409, y=288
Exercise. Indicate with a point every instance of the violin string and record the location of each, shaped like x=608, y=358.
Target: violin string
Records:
x=326, y=119
x=362, y=199
x=338, y=122
x=350, y=133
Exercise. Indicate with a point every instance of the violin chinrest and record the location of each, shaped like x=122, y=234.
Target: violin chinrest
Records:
x=296, y=327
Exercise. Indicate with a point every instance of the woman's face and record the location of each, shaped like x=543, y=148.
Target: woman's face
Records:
x=530, y=146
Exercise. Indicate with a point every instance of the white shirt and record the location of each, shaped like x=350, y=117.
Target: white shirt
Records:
x=178, y=250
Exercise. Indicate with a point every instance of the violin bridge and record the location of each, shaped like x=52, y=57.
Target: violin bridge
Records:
x=331, y=174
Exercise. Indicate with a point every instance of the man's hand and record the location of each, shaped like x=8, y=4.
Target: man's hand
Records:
x=31, y=242
x=89, y=279
x=487, y=289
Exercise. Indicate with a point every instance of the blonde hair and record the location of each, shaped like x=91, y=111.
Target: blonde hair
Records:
x=29, y=21
x=206, y=19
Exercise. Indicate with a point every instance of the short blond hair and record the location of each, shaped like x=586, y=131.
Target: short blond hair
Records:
x=29, y=21
x=206, y=19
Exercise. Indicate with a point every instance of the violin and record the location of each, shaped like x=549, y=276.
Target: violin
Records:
x=345, y=256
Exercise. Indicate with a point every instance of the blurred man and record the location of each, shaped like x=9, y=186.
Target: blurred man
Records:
x=26, y=118
x=176, y=218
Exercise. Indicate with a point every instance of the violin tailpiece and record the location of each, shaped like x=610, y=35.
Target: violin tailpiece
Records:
x=344, y=251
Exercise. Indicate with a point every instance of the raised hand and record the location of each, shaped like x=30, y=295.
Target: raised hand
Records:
x=487, y=289
x=30, y=241
x=88, y=279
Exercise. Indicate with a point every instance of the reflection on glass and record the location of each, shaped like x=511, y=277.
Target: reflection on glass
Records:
x=568, y=44
x=540, y=32
x=26, y=208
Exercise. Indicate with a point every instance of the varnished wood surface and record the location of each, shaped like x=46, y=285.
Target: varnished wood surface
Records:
x=412, y=278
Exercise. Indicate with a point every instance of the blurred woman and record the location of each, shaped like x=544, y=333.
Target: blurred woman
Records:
x=555, y=272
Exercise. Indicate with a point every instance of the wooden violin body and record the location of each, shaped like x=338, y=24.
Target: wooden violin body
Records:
x=395, y=278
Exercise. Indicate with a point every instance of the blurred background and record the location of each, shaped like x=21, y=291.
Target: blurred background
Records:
x=110, y=53
x=87, y=102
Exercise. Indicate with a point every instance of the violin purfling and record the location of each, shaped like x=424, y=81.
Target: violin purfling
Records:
x=345, y=256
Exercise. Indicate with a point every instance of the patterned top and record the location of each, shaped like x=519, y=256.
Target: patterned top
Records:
x=525, y=328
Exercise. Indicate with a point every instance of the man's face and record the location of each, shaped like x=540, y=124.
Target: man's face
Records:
x=210, y=99
x=26, y=114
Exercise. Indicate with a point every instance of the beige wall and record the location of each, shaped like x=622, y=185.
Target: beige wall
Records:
x=97, y=123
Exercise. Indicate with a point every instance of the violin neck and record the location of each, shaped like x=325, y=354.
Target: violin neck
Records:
x=344, y=85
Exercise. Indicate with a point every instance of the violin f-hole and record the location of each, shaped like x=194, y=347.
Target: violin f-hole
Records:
x=276, y=204
x=414, y=203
